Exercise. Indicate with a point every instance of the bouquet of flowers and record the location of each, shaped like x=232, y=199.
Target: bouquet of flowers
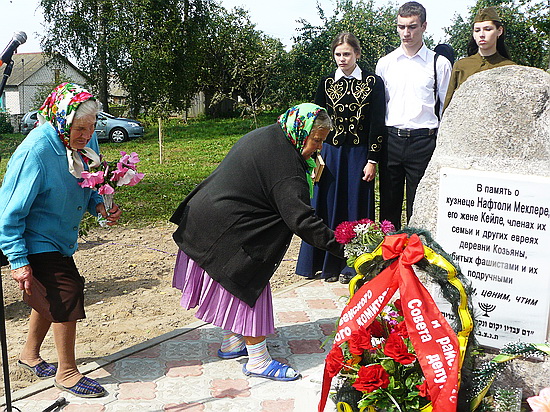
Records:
x=109, y=175
x=379, y=364
x=361, y=236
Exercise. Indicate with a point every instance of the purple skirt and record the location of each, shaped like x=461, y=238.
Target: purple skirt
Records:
x=219, y=307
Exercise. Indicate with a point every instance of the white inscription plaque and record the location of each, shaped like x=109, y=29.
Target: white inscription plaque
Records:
x=496, y=226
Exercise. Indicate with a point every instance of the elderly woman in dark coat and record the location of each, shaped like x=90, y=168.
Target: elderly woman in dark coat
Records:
x=236, y=226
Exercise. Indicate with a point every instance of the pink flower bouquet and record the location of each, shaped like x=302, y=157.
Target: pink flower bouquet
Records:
x=109, y=176
x=540, y=403
x=361, y=236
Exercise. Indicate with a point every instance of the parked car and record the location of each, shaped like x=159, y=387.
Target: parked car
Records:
x=107, y=127
x=117, y=129
x=29, y=121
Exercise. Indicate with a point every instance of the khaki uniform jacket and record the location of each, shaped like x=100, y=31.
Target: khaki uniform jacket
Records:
x=464, y=68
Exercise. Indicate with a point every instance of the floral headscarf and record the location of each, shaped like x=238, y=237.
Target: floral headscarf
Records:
x=59, y=110
x=297, y=123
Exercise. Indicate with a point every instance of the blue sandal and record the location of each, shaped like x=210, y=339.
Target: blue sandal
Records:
x=276, y=371
x=84, y=388
x=43, y=370
x=232, y=355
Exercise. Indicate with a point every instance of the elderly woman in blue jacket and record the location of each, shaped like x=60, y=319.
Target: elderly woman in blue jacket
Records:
x=41, y=206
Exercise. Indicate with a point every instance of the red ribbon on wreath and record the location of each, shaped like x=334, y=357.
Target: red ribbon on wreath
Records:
x=434, y=341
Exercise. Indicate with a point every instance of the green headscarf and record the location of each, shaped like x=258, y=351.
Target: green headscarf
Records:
x=297, y=123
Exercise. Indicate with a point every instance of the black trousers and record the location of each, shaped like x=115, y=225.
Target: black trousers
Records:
x=403, y=163
x=3, y=259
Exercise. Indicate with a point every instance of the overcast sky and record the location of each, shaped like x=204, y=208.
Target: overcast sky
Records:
x=279, y=21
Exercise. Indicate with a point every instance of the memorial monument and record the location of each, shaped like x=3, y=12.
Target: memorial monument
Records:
x=485, y=197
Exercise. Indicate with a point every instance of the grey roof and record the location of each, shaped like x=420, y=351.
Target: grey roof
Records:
x=26, y=64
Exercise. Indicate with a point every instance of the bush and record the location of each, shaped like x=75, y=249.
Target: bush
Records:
x=5, y=124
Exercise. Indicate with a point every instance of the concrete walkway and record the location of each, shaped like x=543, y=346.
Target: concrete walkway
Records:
x=179, y=371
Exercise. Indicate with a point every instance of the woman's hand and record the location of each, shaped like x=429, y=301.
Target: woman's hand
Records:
x=113, y=215
x=369, y=171
x=23, y=275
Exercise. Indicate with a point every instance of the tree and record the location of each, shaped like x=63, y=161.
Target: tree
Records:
x=238, y=61
x=527, y=25
x=83, y=30
x=311, y=57
x=150, y=46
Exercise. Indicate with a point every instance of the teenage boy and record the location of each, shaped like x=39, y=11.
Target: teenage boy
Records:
x=414, y=81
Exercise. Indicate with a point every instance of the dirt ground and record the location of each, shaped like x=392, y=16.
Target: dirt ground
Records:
x=129, y=297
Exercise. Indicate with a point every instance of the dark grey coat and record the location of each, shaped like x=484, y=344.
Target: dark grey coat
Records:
x=237, y=224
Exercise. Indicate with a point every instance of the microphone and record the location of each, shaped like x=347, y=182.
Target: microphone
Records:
x=18, y=39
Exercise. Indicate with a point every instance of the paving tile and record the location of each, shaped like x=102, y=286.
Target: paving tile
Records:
x=184, y=368
x=49, y=394
x=300, y=331
x=135, y=369
x=230, y=388
x=178, y=350
x=137, y=390
x=183, y=372
x=134, y=406
x=232, y=405
x=292, y=317
x=194, y=390
x=83, y=407
x=184, y=407
x=277, y=405
x=305, y=346
x=321, y=304
x=153, y=352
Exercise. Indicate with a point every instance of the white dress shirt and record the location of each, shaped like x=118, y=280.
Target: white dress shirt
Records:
x=338, y=74
x=409, y=83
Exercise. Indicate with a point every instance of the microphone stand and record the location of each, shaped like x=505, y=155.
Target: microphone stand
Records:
x=7, y=73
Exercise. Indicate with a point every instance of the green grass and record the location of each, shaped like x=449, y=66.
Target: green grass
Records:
x=190, y=153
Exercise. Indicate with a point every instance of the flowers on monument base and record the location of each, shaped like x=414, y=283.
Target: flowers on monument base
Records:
x=380, y=363
x=399, y=357
x=361, y=236
x=405, y=356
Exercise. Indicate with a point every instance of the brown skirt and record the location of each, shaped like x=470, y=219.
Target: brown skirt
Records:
x=57, y=288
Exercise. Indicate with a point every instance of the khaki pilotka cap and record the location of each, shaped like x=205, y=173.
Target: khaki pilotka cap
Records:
x=487, y=14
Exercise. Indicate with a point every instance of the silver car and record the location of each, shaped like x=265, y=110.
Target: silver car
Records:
x=117, y=129
x=29, y=121
x=107, y=127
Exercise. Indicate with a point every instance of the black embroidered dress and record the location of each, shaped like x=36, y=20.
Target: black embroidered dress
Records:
x=357, y=108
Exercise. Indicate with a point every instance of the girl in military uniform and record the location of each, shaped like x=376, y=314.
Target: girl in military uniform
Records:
x=486, y=50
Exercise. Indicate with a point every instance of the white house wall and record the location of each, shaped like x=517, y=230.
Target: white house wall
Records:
x=12, y=101
x=35, y=84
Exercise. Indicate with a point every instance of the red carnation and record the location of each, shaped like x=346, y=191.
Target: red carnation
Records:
x=360, y=341
x=397, y=350
x=334, y=361
x=370, y=378
x=376, y=329
x=401, y=329
x=367, y=222
x=423, y=388
x=344, y=232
